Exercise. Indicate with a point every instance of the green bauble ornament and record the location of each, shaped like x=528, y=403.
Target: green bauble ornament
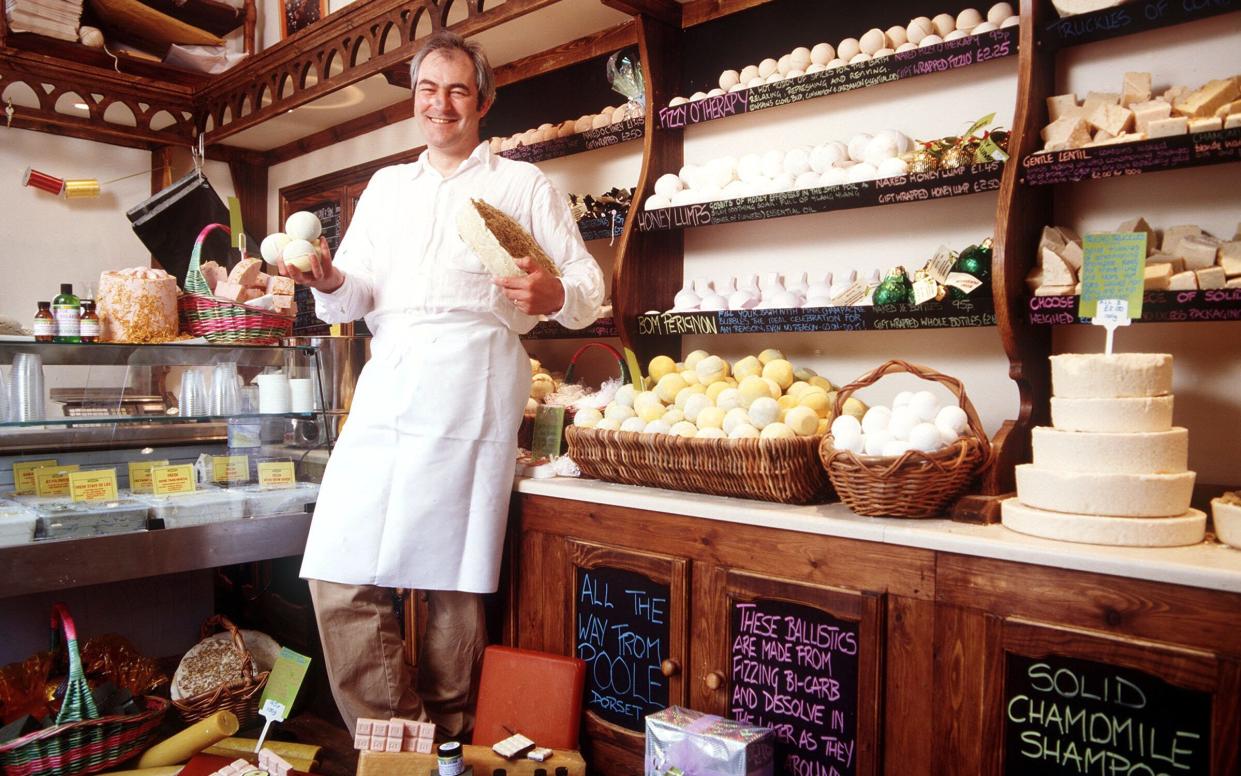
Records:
x=976, y=260
x=895, y=288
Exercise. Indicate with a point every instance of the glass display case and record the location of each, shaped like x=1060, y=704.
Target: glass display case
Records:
x=186, y=440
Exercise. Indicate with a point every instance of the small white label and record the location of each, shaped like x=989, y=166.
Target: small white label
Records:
x=963, y=281
x=1114, y=312
x=925, y=290
x=90, y=327
x=851, y=295
x=44, y=327
x=273, y=709
x=940, y=264
x=68, y=321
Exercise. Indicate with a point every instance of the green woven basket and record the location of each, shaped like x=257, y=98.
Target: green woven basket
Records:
x=81, y=741
x=219, y=320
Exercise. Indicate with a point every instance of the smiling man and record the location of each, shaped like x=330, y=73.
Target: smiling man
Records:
x=416, y=492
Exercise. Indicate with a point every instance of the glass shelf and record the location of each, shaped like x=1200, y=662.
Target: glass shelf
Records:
x=191, y=353
x=128, y=420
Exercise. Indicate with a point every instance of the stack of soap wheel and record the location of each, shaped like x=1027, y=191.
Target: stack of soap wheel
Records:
x=1112, y=468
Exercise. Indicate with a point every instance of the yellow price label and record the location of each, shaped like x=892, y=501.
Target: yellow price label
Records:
x=93, y=485
x=140, y=475
x=167, y=480
x=230, y=468
x=23, y=475
x=277, y=474
x=53, y=480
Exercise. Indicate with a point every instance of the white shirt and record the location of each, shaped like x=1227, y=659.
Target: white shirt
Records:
x=401, y=253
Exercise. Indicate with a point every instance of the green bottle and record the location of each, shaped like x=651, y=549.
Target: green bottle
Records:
x=66, y=309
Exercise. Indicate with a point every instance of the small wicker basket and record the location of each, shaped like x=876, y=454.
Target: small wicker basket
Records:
x=914, y=484
x=239, y=695
x=525, y=434
x=222, y=321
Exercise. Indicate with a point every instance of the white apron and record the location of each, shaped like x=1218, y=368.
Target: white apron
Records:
x=417, y=488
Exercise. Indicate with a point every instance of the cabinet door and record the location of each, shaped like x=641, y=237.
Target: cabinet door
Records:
x=802, y=659
x=629, y=623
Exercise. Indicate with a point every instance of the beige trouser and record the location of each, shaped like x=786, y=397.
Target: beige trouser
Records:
x=366, y=664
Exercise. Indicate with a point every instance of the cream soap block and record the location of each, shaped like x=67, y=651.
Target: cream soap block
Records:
x=1143, y=452
x=1177, y=531
x=1100, y=376
x=1128, y=495
x=1137, y=413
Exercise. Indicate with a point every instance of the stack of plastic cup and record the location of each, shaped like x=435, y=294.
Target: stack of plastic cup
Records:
x=300, y=396
x=274, y=396
x=26, y=388
x=225, y=397
x=193, y=397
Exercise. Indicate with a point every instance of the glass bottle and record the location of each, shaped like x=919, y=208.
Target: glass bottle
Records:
x=66, y=309
x=44, y=323
x=90, y=328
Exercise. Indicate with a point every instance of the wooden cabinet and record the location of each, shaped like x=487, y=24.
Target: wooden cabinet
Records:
x=898, y=660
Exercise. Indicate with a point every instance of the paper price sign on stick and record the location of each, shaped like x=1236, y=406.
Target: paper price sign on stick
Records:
x=1113, y=272
x=281, y=690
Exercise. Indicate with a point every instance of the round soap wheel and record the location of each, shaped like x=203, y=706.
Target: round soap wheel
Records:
x=214, y=661
x=1176, y=531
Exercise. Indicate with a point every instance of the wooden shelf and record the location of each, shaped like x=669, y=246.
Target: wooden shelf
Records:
x=914, y=187
x=1109, y=161
x=949, y=55
x=1157, y=307
x=549, y=330
x=57, y=565
x=1126, y=20
x=623, y=132
x=949, y=314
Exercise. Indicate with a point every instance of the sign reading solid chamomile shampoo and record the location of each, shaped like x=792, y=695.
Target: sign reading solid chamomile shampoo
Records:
x=274, y=475
x=93, y=485
x=23, y=475
x=170, y=480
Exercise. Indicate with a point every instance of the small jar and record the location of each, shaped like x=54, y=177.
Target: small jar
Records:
x=451, y=760
x=44, y=323
x=88, y=325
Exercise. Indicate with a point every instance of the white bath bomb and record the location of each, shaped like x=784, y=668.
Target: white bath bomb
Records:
x=845, y=424
x=849, y=439
x=875, y=441
x=796, y=161
x=857, y=146
x=795, y=73
x=624, y=395
x=880, y=147
x=607, y=424
x=955, y=35
x=906, y=46
x=678, y=100
x=918, y=28
x=872, y=40
x=902, y=399
x=834, y=176
x=587, y=417
x=903, y=142
x=715, y=92
x=848, y=48
x=683, y=429
x=635, y=425
x=999, y=12
x=710, y=417
x=925, y=437
x=764, y=410
x=782, y=182
x=690, y=175
x=272, y=245
x=720, y=172
x=747, y=74
x=648, y=406
x=710, y=369
x=925, y=405
x=668, y=184
x=297, y=254
x=930, y=40
x=862, y=171
x=767, y=67
x=657, y=427
x=598, y=121
x=807, y=180
x=835, y=63
x=756, y=81
x=860, y=57
x=902, y=422
x=728, y=399
x=784, y=64
x=984, y=27
x=947, y=435
x=696, y=96
x=800, y=57
x=944, y=23
x=968, y=19
x=884, y=52
x=303, y=225
x=711, y=433
x=773, y=163
x=777, y=430
x=694, y=406
x=895, y=35
x=733, y=418
x=952, y=417
x=1011, y=21
x=737, y=87
x=891, y=168
x=743, y=431
x=750, y=168
x=822, y=53
x=894, y=448
x=876, y=419
x=729, y=79
x=656, y=201
x=618, y=412
x=774, y=77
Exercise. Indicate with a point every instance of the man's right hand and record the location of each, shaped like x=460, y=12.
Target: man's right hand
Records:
x=322, y=276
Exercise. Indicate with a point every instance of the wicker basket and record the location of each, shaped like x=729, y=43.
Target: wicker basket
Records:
x=240, y=695
x=81, y=741
x=525, y=434
x=222, y=321
x=915, y=484
x=782, y=470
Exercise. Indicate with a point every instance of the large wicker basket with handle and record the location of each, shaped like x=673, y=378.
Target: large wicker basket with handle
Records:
x=81, y=741
x=222, y=321
x=239, y=684
x=914, y=484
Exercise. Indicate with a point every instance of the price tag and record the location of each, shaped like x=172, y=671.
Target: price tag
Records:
x=963, y=281
x=940, y=264
x=53, y=480
x=1113, y=268
x=23, y=475
x=93, y=485
x=925, y=290
x=548, y=430
x=281, y=690
x=276, y=474
x=167, y=480
x=140, y=475
x=230, y=468
x=851, y=295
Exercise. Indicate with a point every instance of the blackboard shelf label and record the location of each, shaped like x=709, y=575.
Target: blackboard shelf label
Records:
x=544, y=330
x=1110, y=161
x=1222, y=304
x=974, y=311
x=949, y=55
x=622, y=132
x=601, y=228
x=1127, y=19
x=914, y=187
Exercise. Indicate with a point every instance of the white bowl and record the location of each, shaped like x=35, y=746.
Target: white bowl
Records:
x=1227, y=519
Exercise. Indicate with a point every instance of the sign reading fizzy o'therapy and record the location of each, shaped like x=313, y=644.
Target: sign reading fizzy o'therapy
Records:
x=795, y=670
x=622, y=633
x=1070, y=716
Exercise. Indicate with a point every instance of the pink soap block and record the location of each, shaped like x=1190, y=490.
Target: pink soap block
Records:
x=365, y=726
x=378, y=743
x=246, y=272
x=229, y=291
x=273, y=763
x=362, y=742
x=424, y=745
x=392, y=744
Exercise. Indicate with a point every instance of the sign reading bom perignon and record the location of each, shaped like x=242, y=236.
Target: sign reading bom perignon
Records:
x=621, y=631
x=1070, y=716
x=795, y=670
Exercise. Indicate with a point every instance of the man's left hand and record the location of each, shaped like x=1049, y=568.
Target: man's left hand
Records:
x=537, y=293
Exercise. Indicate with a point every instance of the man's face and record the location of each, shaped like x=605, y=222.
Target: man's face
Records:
x=446, y=102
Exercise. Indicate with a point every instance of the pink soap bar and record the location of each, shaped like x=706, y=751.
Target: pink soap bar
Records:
x=228, y=290
x=246, y=272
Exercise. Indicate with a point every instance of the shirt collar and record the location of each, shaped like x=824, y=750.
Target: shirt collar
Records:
x=481, y=155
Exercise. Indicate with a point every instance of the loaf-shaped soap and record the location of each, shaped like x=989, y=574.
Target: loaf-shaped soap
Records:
x=497, y=239
x=246, y=272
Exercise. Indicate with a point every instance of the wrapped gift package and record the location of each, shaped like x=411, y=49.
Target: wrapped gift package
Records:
x=684, y=741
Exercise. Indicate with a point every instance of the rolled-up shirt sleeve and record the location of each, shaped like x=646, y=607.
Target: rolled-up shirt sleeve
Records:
x=356, y=297
x=555, y=230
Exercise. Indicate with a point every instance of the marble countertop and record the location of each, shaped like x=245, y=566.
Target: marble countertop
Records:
x=1208, y=565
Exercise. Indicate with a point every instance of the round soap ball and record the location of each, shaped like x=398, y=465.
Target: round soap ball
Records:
x=925, y=437
x=669, y=386
x=784, y=64
x=608, y=424
x=845, y=424
x=917, y=29
x=876, y=419
x=777, y=430
x=710, y=417
x=683, y=429
x=656, y=202
x=925, y=405
x=767, y=355
x=633, y=425
x=625, y=395
x=848, y=439
x=860, y=57
x=796, y=161
x=779, y=370
x=906, y=46
x=930, y=40
x=1011, y=21
x=944, y=24
x=587, y=417
x=272, y=245
x=767, y=67
x=729, y=79
x=902, y=422
x=848, y=49
x=90, y=36
x=750, y=168
x=872, y=40
x=764, y=410
x=891, y=168
x=657, y=427
x=895, y=35
x=711, y=369
x=822, y=53
x=297, y=254
x=660, y=366
x=747, y=74
x=968, y=19
x=618, y=412
x=668, y=184
x=694, y=406
x=729, y=399
x=803, y=420
x=711, y=433
x=999, y=12
x=952, y=417
x=733, y=418
x=800, y=57
x=956, y=35
x=303, y=225
x=857, y=146
x=743, y=431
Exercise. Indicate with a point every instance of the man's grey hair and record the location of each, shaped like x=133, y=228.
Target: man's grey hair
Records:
x=484, y=77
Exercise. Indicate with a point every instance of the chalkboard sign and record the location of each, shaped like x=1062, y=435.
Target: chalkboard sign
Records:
x=620, y=132
x=1127, y=19
x=622, y=633
x=1110, y=161
x=1221, y=304
x=914, y=187
x=604, y=327
x=1069, y=716
x=795, y=670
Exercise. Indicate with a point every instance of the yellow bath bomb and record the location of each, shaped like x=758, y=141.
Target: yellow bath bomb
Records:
x=825, y=425
x=541, y=386
x=817, y=400
x=669, y=386
x=686, y=392
x=773, y=388
x=854, y=407
x=729, y=398
x=777, y=431
x=822, y=382
x=618, y=412
x=633, y=425
x=608, y=424
x=660, y=366
x=779, y=370
x=804, y=374
x=625, y=394
x=690, y=377
x=733, y=418
x=743, y=431
x=683, y=429
x=769, y=355
x=786, y=402
x=746, y=367
x=711, y=417
x=711, y=433
x=716, y=388
x=694, y=405
x=691, y=360
x=751, y=388
x=672, y=415
x=711, y=369
x=587, y=417
x=797, y=388
x=803, y=420
x=648, y=406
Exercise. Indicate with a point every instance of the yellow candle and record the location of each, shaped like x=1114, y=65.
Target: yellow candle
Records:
x=190, y=741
